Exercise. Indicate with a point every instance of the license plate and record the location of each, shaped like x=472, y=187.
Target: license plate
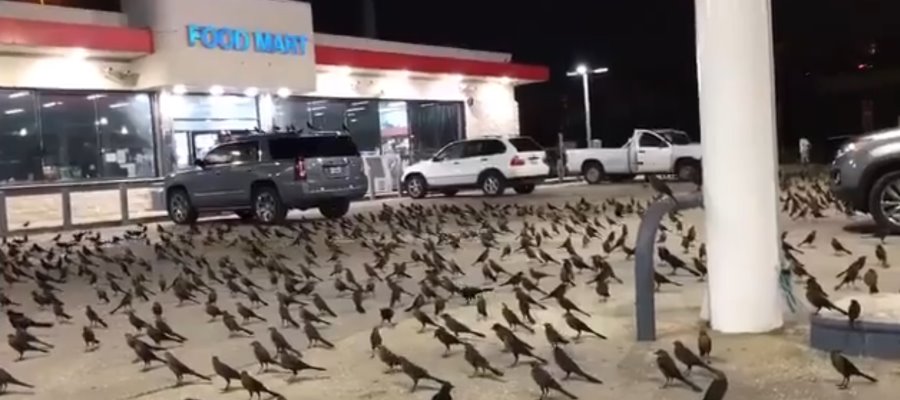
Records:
x=334, y=170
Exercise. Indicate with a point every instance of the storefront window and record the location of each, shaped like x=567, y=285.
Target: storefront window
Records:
x=432, y=125
x=394, y=127
x=377, y=126
x=200, y=120
x=20, y=139
x=75, y=136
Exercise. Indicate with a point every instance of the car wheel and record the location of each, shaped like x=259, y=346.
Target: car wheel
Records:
x=524, y=189
x=449, y=192
x=493, y=184
x=687, y=171
x=593, y=173
x=244, y=215
x=416, y=186
x=884, y=201
x=180, y=209
x=335, y=209
x=267, y=205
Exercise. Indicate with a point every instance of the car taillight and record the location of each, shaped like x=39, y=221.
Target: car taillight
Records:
x=300, y=170
x=516, y=161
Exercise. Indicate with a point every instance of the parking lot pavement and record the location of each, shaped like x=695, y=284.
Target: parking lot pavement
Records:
x=776, y=366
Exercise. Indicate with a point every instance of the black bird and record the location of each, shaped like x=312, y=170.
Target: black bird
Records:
x=387, y=316
x=847, y=369
x=546, y=382
x=225, y=371
x=416, y=373
x=568, y=365
x=478, y=361
x=580, y=326
x=661, y=187
x=6, y=379
x=670, y=371
x=294, y=364
x=688, y=358
x=256, y=387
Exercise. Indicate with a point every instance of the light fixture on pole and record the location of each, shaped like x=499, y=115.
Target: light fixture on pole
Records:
x=583, y=71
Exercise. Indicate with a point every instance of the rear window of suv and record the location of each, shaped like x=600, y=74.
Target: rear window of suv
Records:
x=312, y=146
x=525, y=144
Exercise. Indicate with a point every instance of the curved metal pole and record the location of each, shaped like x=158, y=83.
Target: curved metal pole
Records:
x=644, y=251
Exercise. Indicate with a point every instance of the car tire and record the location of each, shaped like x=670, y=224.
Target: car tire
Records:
x=268, y=208
x=335, y=209
x=493, y=184
x=449, y=192
x=416, y=186
x=687, y=171
x=524, y=189
x=244, y=215
x=886, y=189
x=181, y=210
x=593, y=172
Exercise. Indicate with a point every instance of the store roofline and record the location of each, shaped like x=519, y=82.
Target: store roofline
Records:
x=27, y=33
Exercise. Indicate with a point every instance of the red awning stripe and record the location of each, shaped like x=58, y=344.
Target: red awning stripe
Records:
x=327, y=55
x=32, y=33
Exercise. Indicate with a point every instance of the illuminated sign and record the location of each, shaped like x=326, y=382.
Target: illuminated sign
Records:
x=242, y=40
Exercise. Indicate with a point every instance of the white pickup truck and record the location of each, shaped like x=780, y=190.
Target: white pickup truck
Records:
x=649, y=151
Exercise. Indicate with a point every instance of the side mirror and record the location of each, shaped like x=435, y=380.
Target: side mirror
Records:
x=200, y=162
x=436, y=159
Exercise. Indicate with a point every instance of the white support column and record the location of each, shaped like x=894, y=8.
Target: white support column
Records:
x=737, y=118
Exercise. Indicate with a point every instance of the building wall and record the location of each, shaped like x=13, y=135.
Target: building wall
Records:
x=491, y=107
x=175, y=61
x=47, y=72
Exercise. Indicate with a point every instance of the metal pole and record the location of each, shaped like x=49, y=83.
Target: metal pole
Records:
x=123, y=203
x=4, y=228
x=561, y=157
x=644, y=251
x=66, y=208
x=587, y=109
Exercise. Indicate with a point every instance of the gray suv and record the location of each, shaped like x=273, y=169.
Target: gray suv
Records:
x=866, y=175
x=262, y=176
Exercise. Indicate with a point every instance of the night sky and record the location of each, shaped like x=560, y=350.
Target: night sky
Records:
x=649, y=47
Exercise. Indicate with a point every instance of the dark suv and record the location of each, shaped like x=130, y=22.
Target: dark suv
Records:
x=262, y=176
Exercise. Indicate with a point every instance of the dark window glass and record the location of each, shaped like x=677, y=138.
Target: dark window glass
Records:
x=96, y=135
x=433, y=124
x=451, y=152
x=676, y=137
x=493, y=147
x=651, y=140
x=473, y=148
x=233, y=153
x=525, y=144
x=359, y=117
x=312, y=146
x=20, y=139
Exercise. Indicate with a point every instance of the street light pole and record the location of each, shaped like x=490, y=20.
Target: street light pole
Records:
x=583, y=71
x=587, y=110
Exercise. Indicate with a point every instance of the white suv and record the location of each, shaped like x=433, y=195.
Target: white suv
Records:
x=489, y=163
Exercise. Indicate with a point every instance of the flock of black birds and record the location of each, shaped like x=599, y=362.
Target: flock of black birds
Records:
x=288, y=263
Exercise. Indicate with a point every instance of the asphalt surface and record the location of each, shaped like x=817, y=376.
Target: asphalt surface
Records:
x=774, y=366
